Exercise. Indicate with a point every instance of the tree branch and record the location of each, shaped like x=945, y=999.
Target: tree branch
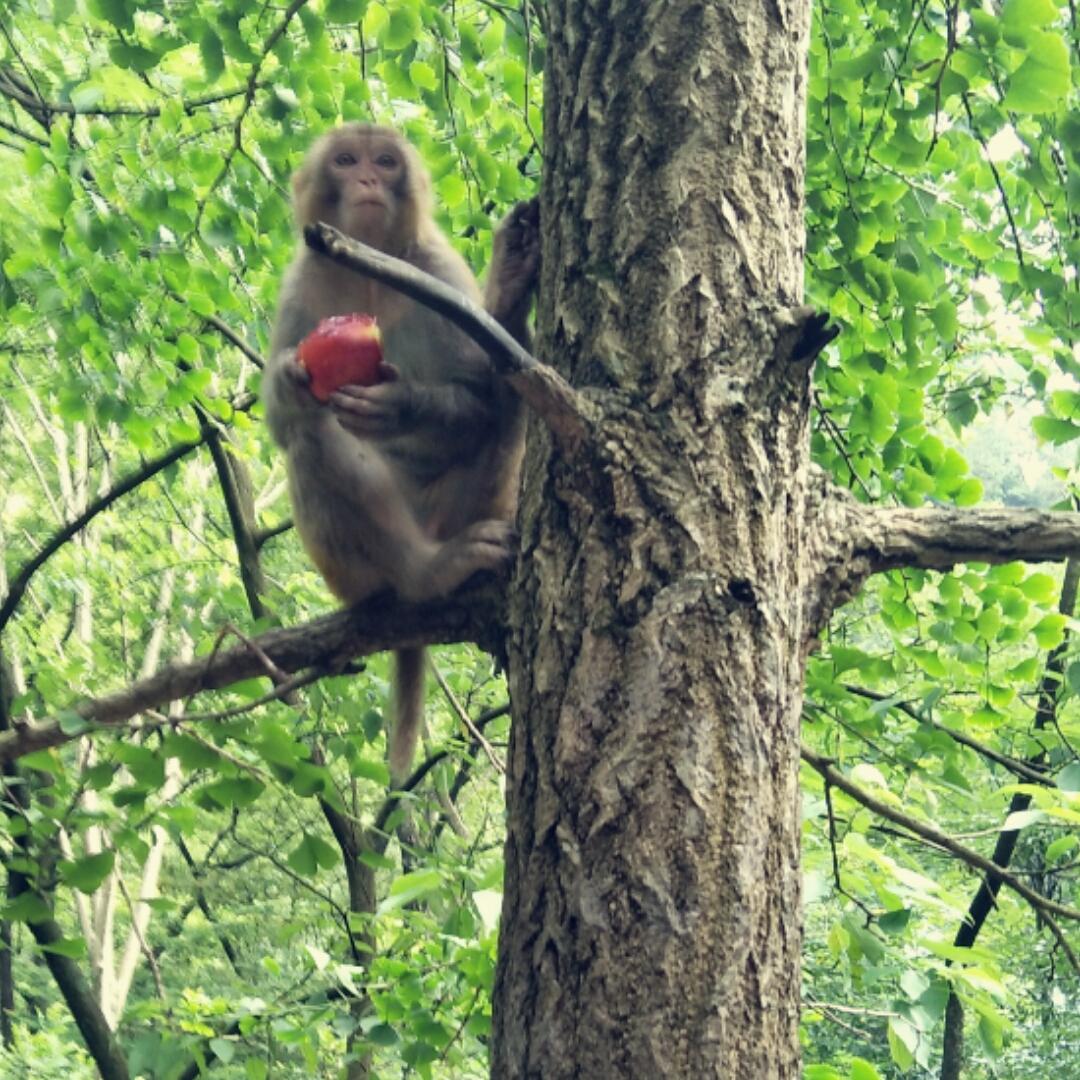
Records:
x=1022, y=769
x=847, y=541
x=937, y=538
x=1046, y=907
x=473, y=614
x=539, y=386
x=63, y=535
x=235, y=483
x=33, y=104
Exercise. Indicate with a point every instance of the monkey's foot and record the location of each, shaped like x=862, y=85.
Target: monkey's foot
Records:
x=485, y=545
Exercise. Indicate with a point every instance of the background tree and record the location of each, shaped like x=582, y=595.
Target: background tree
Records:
x=212, y=884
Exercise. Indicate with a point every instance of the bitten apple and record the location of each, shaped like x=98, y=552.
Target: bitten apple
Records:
x=344, y=350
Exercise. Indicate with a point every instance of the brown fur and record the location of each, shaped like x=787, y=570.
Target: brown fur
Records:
x=409, y=485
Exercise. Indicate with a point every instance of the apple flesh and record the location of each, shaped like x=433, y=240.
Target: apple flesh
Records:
x=344, y=350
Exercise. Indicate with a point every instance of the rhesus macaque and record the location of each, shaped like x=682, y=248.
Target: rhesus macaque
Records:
x=410, y=484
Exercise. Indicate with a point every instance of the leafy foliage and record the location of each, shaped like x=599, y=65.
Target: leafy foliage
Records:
x=942, y=190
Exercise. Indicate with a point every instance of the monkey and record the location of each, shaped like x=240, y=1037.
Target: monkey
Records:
x=409, y=485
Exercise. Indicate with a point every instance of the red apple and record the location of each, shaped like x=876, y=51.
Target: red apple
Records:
x=344, y=350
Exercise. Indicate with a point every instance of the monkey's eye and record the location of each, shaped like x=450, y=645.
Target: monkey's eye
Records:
x=386, y=161
x=345, y=159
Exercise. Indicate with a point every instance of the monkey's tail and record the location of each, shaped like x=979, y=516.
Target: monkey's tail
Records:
x=408, y=712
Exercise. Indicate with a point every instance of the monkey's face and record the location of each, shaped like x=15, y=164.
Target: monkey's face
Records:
x=367, y=181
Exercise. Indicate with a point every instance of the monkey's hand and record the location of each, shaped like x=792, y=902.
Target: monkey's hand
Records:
x=515, y=266
x=287, y=396
x=295, y=379
x=379, y=411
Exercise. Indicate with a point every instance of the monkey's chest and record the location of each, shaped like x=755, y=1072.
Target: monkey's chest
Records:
x=355, y=296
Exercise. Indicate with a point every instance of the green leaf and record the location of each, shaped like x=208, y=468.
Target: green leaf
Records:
x=861, y=1069
x=74, y=948
x=191, y=753
x=943, y=316
x=1041, y=588
x=1069, y=778
x=344, y=11
x=402, y=28
x=969, y=492
x=903, y=1041
x=87, y=874
x=28, y=908
x=1049, y=631
x=370, y=770
x=375, y=21
x=213, y=54
x=991, y=1034
x=224, y=1049
x=311, y=855
x=894, y=922
x=132, y=56
x=423, y=75
x=1055, y=430
x=452, y=190
x=237, y=791
x=410, y=887
x=1022, y=14
x=1062, y=846
x=302, y=859
x=117, y=12
x=382, y=1035
x=1041, y=84
x=71, y=723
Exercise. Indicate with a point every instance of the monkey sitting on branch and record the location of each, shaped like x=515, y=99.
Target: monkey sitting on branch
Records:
x=410, y=484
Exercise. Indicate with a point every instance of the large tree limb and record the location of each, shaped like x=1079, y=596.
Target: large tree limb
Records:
x=937, y=538
x=848, y=541
x=473, y=614
x=541, y=387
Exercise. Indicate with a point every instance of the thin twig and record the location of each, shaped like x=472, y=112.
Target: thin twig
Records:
x=1046, y=907
x=463, y=716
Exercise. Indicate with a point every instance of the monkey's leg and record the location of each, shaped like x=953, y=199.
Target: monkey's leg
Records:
x=367, y=503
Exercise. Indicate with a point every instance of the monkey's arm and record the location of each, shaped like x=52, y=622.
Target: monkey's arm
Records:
x=447, y=412
x=286, y=399
x=515, y=270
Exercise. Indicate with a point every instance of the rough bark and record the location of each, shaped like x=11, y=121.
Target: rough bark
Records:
x=651, y=923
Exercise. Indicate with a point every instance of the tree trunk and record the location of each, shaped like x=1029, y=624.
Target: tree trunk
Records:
x=651, y=921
